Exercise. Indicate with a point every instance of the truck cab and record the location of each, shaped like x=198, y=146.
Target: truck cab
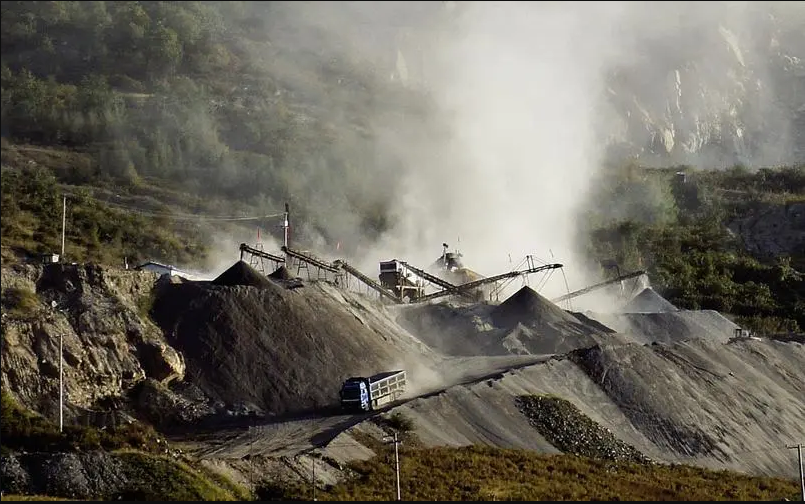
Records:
x=369, y=393
x=355, y=394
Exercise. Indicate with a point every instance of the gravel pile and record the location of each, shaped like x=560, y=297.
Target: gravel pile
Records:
x=649, y=301
x=528, y=307
x=281, y=273
x=241, y=273
x=524, y=324
x=569, y=430
x=285, y=278
x=281, y=350
x=669, y=327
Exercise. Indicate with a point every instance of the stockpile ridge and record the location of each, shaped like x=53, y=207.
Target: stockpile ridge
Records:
x=649, y=301
x=283, y=350
x=241, y=273
x=528, y=307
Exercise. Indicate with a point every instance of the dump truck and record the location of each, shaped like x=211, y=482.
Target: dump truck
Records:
x=369, y=393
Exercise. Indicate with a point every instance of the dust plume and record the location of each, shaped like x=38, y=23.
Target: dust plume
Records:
x=223, y=250
x=490, y=122
x=523, y=113
x=518, y=84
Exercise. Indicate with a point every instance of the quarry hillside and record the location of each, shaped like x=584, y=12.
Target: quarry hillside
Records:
x=203, y=135
x=245, y=349
x=223, y=108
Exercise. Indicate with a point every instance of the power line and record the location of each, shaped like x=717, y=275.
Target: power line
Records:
x=174, y=215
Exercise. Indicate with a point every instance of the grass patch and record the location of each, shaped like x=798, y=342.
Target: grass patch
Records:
x=23, y=430
x=155, y=477
x=149, y=477
x=15, y=497
x=237, y=491
x=283, y=491
x=483, y=473
x=21, y=302
x=96, y=231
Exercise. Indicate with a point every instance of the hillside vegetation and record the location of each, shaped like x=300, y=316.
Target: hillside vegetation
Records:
x=136, y=450
x=199, y=94
x=142, y=109
x=681, y=238
x=484, y=473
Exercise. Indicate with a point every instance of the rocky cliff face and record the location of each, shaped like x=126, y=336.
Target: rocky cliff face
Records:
x=707, y=84
x=109, y=342
x=726, y=89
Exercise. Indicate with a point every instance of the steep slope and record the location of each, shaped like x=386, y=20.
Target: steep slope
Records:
x=730, y=406
x=282, y=350
x=108, y=344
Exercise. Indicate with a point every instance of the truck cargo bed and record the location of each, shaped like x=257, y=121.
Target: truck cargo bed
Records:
x=384, y=375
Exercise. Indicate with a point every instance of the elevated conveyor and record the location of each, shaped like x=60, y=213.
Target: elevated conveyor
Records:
x=365, y=279
x=444, y=284
x=458, y=289
x=591, y=288
x=259, y=253
x=310, y=260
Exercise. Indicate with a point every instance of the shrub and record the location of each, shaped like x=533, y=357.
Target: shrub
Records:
x=399, y=422
x=21, y=302
x=23, y=430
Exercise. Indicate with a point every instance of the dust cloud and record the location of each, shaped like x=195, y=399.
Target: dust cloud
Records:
x=518, y=84
x=224, y=250
x=523, y=89
x=514, y=106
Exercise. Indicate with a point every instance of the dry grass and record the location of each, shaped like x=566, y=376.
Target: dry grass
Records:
x=32, y=498
x=484, y=473
x=22, y=303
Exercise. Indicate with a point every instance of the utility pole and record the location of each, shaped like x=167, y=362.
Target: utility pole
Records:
x=61, y=382
x=313, y=460
x=61, y=374
x=63, y=224
x=251, y=454
x=801, y=470
x=285, y=226
x=397, y=460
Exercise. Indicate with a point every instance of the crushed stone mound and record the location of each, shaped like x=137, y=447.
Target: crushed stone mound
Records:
x=283, y=350
x=473, y=331
x=281, y=273
x=241, y=273
x=668, y=327
x=571, y=431
x=556, y=338
x=649, y=301
x=528, y=307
